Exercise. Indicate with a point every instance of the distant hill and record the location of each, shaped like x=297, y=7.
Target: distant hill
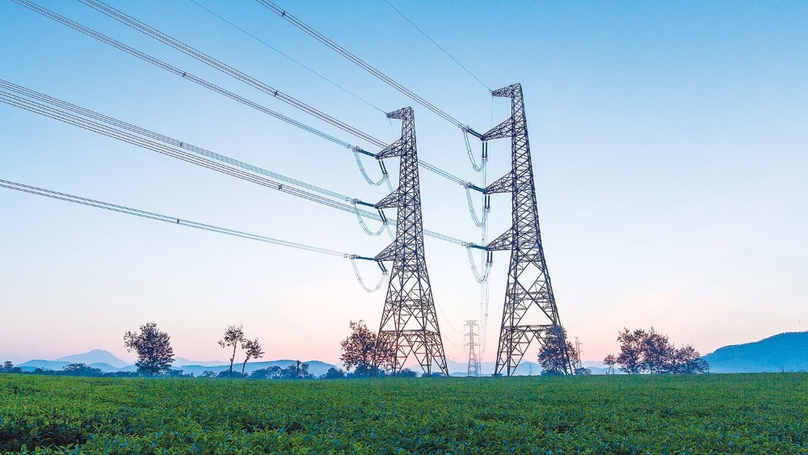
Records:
x=783, y=352
x=180, y=361
x=94, y=356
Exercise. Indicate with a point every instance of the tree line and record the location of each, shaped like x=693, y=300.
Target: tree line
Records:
x=365, y=354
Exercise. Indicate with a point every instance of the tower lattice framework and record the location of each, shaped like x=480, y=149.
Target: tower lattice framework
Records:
x=409, y=321
x=530, y=307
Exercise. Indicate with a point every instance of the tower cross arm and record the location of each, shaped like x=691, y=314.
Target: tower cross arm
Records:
x=502, y=185
x=387, y=254
x=504, y=129
x=503, y=242
x=389, y=201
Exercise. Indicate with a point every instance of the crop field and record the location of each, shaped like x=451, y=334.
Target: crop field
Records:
x=753, y=414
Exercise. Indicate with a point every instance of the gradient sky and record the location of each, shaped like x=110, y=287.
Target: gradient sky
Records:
x=669, y=141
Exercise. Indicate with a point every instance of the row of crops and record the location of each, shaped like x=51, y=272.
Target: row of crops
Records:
x=705, y=414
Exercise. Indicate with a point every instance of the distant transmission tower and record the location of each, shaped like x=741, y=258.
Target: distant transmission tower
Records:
x=409, y=320
x=474, y=359
x=530, y=307
x=578, y=364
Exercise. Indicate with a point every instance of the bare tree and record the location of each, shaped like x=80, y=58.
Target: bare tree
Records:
x=364, y=351
x=253, y=351
x=556, y=352
x=610, y=361
x=153, y=347
x=233, y=336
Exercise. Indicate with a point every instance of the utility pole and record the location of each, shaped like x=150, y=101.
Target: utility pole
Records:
x=530, y=307
x=474, y=359
x=409, y=321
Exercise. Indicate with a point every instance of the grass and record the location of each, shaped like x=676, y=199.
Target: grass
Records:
x=708, y=414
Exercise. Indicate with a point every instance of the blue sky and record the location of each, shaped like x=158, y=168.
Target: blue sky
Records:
x=668, y=139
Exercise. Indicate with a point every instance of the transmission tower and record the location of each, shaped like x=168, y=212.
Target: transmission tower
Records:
x=474, y=360
x=577, y=364
x=409, y=320
x=530, y=307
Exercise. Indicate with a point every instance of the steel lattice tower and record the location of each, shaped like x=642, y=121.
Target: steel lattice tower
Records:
x=474, y=360
x=530, y=307
x=409, y=320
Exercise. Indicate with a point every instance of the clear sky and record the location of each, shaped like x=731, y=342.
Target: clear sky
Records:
x=669, y=141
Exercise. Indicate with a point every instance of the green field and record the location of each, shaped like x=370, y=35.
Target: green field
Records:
x=755, y=414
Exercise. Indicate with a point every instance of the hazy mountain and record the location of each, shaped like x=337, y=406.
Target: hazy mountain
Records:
x=32, y=365
x=180, y=361
x=783, y=352
x=94, y=356
x=458, y=369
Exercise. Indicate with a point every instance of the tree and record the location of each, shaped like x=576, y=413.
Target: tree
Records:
x=272, y=372
x=233, y=336
x=8, y=367
x=657, y=352
x=153, y=347
x=407, y=373
x=687, y=360
x=610, y=361
x=80, y=369
x=631, y=350
x=364, y=351
x=296, y=370
x=555, y=352
x=333, y=373
x=652, y=352
x=253, y=348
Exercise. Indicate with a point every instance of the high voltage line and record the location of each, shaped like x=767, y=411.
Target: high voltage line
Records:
x=171, y=219
x=174, y=148
x=356, y=60
x=436, y=44
x=227, y=69
x=297, y=62
x=213, y=87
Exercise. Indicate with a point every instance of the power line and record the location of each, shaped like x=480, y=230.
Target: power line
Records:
x=123, y=136
x=215, y=88
x=165, y=139
x=176, y=151
x=436, y=44
x=288, y=56
x=170, y=219
x=164, y=38
x=357, y=61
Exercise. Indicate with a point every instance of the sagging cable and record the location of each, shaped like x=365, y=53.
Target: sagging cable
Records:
x=359, y=279
x=474, y=165
x=486, y=269
x=479, y=222
x=385, y=224
x=385, y=176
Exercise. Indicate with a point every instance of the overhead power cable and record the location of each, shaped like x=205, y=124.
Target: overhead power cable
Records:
x=178, y=151
x=357, y=61
x=210, y=86
x=436, y=44
x=165, y=139
x=227, y=69
x=171, y=219
x=287, y=56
